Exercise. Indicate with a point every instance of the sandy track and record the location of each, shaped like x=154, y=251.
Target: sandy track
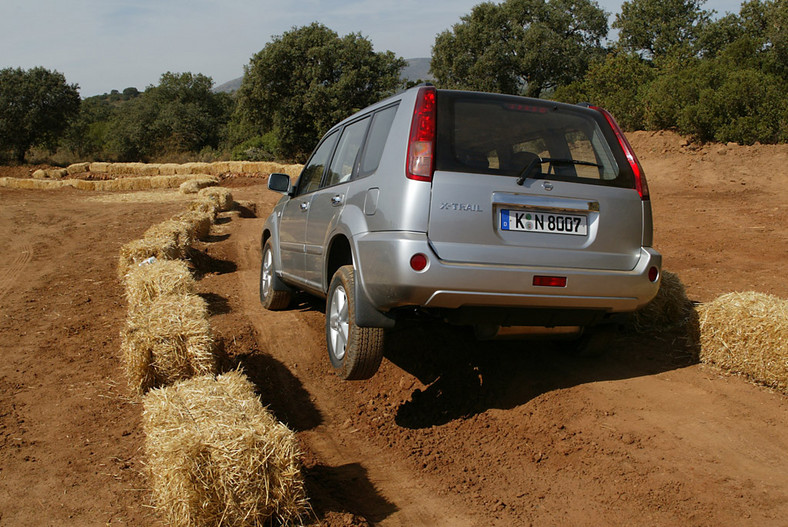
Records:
x=450, y=432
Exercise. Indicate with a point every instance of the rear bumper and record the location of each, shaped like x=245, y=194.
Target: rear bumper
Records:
x=383, y=265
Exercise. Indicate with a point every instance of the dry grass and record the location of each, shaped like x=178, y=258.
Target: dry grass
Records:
x=221, y=196
x=145, y=283
x=669, y=309
x=747, y=333
x=217, y=457
x=167, y=340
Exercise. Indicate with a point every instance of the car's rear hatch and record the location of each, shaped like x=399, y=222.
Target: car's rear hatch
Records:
x=576, y=207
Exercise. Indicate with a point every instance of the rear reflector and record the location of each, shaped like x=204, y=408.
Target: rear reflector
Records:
x=550, y=281
x=653, y=274
x=640, y=178
x=418, y=262
x=421, y=144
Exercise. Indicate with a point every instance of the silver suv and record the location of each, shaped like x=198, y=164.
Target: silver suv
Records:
x=494, y=211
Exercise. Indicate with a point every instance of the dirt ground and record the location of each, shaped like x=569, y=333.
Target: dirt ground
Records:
x=450, y=431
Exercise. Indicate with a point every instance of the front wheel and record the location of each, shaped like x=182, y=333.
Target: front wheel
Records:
x=355, y=352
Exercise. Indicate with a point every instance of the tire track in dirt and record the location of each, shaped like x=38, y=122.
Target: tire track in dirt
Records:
x=402, y=499
x=18, y=263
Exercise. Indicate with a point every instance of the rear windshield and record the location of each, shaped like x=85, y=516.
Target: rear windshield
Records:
x=502, y=135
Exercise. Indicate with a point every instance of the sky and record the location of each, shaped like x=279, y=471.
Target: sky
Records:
x=102, y=45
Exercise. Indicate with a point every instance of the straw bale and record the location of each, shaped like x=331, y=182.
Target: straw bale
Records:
x=146, y=282
x=236, y=167
x=149, y=169
x=167, y=340
x=78, y=168
x=747, y=333
x=203, y=204
x=669, y=309
x=168, y=169
x=219, y=195
x=161, y=246
x=100, y=168
x=174, y=230
x=198, y=223
x=218, y=168
x=292, y=170
x=216, y=456
x=193, y=186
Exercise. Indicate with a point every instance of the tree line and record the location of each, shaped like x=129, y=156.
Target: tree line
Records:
x=673, y=65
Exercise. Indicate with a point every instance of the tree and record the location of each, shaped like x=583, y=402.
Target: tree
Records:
x=616, y=83
x=35, y=108
x=659, y=27
x=306, y=80
x=520, y=46
x=181, y=114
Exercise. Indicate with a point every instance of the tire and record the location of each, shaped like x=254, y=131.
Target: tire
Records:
x=355, y=352
x=275, y=295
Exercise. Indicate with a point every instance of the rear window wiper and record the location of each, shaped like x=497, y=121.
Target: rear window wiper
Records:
x=523, y=175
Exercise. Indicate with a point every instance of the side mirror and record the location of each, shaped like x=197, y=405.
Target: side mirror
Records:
x=279, y=183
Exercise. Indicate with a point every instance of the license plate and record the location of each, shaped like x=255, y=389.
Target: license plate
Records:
x=531, y=221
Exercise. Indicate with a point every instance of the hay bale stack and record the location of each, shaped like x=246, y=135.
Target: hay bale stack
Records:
x=204, y=205
x=217, y=457
x=161, y=245
x=193, y=186
x=77, y=168
x=50, y=173
x=747, y=333
x=669, y=309
x=198, y=223
x=168, y=169
x=99, y=168
x=221, y=196
x=166, y=341
x=145, y=283
x=171, y=230
x=150, y=169
x=292, y=170
x=218, y=168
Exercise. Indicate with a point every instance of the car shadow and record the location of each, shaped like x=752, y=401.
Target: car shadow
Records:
x=465, y=377
x=327, y=488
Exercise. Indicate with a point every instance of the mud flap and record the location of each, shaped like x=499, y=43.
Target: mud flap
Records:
x=367, y=316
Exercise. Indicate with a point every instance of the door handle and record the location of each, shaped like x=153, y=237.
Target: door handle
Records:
x=304, y=206
x=336, y=200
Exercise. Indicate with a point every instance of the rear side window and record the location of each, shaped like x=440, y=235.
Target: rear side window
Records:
x=378, y=134
x=503, y=135
x=345, y=159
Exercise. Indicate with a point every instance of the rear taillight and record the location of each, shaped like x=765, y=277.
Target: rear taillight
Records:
x=640, y=178
x=421, y=144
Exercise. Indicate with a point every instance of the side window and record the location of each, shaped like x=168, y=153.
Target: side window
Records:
x=378, y=134
x=347, y=153
x=313, y=171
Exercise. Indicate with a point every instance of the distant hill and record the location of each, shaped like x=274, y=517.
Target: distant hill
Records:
x=416, y=69
x=229, y=87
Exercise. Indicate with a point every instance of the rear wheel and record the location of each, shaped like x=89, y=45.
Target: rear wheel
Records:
x=355, y=352
x=274, y=294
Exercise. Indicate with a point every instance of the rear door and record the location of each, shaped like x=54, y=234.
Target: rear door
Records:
x=575, y=207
